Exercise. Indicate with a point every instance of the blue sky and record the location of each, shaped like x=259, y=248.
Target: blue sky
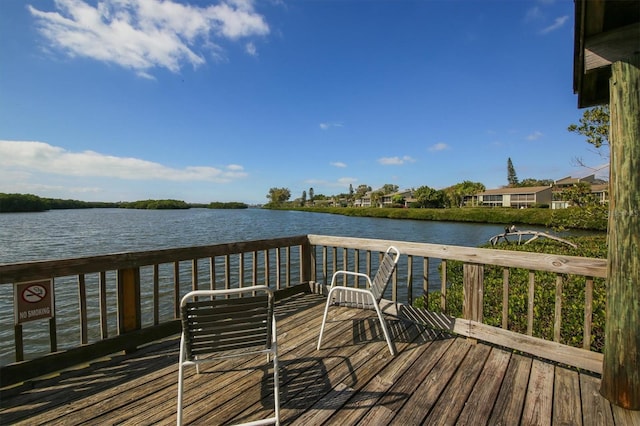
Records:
x=206, y=100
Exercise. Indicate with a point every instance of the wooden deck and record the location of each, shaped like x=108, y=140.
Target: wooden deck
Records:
x=435, y=379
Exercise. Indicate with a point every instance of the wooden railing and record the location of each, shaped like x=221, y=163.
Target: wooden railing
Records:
x=420, y=259
x=121, y=301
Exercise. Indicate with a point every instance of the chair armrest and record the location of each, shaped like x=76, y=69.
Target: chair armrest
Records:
x=355, y=274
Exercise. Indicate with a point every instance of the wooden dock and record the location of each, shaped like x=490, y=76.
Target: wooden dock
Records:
x=436, y=378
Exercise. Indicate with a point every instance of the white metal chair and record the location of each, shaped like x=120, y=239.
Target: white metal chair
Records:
x=372, y=294
x=219, y=324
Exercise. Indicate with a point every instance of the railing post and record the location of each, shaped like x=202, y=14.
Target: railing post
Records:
x=307, y=260
x=473, y=289
x=129, y=311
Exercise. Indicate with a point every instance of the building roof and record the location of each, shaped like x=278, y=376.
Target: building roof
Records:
x=601, y=187
x=518, y=190
x=571, y=180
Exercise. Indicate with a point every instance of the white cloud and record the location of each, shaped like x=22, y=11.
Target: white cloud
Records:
x=395, y=161
x=440, y=146
x=323, y=183
x=29, y=157
x=557, y=23
x=326, y=126
x=338, y=164
x=534, y=136
x=346, y=180
x=146, y=34
x=533, y=14
x=251, y=49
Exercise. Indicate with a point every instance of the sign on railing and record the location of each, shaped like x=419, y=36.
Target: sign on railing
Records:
x=33, y=300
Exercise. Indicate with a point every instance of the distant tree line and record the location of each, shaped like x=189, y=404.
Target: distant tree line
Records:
x=13, y=203
x=10, y=203
x=230, y=205
x=155, y=205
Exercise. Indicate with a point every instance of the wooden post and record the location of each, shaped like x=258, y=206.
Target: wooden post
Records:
x=621, y=366
x=307, y=262
x=129, y=311
x=473, y=288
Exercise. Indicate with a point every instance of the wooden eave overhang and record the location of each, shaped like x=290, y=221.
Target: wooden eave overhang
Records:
x=606, y=31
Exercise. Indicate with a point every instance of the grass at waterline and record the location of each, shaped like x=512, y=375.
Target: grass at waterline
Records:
x=573, y=294
x=591, y=218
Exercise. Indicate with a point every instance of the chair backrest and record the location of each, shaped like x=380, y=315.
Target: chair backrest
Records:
x=214, y=323
x=385, y=272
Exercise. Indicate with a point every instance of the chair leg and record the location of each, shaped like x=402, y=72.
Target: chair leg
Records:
x=385, y=330
x=276, y=381
x=324, y=318
x=180, y=391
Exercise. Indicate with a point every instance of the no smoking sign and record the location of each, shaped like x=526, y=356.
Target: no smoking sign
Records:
x=33, y=300
x=34, y=293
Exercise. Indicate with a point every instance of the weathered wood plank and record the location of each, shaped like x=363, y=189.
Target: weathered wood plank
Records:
x=397, y=396
x=553, y=351
x=539, y=400
x=508, y=406
x=567, y=407
x=378, y=386
x=625, y=417
x=454, y=397
x=478, y=406
x=422, y=399
x=596, y=410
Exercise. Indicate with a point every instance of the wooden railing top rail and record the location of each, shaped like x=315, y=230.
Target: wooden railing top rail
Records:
x=585, y=266
x=26, y=271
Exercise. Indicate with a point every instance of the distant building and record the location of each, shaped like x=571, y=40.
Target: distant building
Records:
x=386, y=200
x=599, y=190
x=514, y=197
x=570, y=181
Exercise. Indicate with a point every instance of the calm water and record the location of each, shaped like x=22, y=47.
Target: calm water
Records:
x=61, y=234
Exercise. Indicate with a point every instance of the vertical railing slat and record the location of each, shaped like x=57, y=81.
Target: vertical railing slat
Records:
x=588, y=313
x=82, y=301
x=254, y=267
x=505, y=298
x=212, y=273
x=530, y=302
x=102, y=305
x=227, y=272
x=443, y=286
x=241, y=270
x=278, y=269
x=287, y=251
x=409, y=280
x=156, y=294
x=267, y=269
x=176, y=289
x=425, y=281
x=345, y=262
x=194, y=274
x=557, y=316
x=325, y=268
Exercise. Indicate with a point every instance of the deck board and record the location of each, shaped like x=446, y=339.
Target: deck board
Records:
x=436, y=378
x=477, y=409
